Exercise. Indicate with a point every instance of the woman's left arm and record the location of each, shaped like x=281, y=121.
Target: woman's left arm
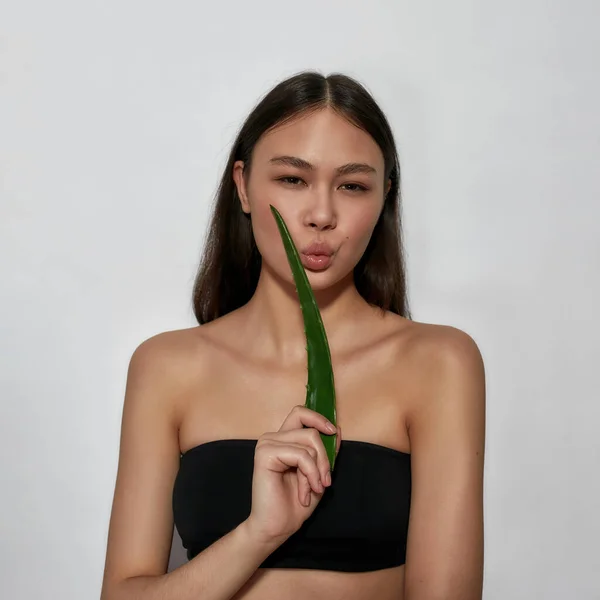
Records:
x=444, y=558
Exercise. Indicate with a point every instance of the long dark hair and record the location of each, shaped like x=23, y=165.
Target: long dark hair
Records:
x=230, y=266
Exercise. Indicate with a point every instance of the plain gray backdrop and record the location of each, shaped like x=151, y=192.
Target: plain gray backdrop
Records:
x=115, y=123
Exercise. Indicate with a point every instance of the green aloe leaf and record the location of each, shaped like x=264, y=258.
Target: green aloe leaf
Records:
x=320, y=389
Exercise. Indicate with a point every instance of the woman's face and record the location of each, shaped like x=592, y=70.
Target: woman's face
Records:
x=325, y=177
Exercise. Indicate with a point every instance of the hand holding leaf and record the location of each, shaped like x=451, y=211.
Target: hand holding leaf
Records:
x=320, y=389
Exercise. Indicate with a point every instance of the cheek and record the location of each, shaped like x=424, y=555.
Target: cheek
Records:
x=266, y=233
x=265, y=230
x=263, y=223
x=358, y=234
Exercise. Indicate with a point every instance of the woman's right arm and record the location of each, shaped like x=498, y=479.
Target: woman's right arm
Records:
x=141, y=523
x=217, y=573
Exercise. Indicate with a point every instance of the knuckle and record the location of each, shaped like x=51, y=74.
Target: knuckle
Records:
x=315, y=435
x=263, y=439
x=264, y=443
x=316, y=438
x=309, y=458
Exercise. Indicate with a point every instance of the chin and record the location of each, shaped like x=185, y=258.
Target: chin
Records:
x=322, y=280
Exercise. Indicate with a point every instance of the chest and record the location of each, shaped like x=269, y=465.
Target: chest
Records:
x=243, y=400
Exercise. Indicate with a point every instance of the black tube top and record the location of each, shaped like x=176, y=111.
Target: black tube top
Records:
x=360, y=524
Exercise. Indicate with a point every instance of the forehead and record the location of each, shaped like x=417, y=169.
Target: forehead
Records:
x=322, y=137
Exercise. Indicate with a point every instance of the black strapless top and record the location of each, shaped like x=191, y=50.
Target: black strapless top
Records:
x=360, y=524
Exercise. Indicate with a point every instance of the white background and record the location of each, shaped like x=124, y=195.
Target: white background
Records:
x=116, y=118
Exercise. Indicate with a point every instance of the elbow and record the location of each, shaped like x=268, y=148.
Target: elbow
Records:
x=132, y=587
x=118, y=589
x=113, y=590
x=136, y=587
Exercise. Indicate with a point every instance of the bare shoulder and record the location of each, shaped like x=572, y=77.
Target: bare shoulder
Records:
x=442, y=347
x=168, y=363
x=450, y=374
x=173, y=352
x=445, y=365
x=454, y=358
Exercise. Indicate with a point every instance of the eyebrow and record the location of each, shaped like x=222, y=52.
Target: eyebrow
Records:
x=300, y=163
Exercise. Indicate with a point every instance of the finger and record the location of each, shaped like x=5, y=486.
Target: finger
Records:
x=322, y=459
x=303, y=489
x=308, y=438
x=307, y=466
x=280, y=457
x=296, y=438
x=300, y=416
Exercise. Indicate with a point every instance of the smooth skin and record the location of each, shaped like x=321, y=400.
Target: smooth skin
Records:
x=415, y=387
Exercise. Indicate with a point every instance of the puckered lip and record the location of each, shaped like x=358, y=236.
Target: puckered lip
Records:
x=318, y=249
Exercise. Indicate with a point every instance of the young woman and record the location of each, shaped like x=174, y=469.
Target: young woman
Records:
x=215, y=437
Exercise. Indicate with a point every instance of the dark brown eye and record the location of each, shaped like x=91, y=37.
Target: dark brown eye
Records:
x=356, y=187
x=290, y=180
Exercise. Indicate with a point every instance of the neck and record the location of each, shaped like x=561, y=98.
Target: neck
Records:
x=273, y=316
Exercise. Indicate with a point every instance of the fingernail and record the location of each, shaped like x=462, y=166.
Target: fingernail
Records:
x=328, y=478
x=331, y=427
x=307, y=499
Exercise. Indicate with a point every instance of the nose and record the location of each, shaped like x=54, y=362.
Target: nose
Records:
x=321, y=213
